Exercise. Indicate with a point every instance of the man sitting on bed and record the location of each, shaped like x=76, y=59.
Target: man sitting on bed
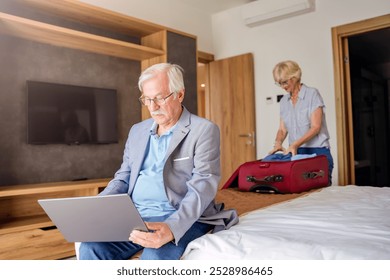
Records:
x=171, y=169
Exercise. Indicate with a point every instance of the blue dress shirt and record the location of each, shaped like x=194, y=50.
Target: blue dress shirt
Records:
x=149, y=194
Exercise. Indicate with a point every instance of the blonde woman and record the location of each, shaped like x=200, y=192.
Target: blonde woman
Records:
x=302, y=116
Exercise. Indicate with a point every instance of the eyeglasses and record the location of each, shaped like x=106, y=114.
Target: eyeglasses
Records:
x=158, y=101
x=282, y=83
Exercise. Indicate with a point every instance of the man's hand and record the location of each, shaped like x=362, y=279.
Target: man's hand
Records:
x=159, y=235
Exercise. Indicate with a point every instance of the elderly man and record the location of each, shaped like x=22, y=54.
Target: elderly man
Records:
x=171, y=170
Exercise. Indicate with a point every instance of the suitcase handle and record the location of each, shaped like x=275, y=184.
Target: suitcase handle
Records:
x=267, y=179
x=313, y=174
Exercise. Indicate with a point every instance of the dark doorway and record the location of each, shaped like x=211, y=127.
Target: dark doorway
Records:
x=370, y=83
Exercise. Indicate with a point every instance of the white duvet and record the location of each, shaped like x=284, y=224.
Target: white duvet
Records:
x=343, y=223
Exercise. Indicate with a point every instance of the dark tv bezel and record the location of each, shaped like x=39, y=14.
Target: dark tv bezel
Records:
x=28, y=94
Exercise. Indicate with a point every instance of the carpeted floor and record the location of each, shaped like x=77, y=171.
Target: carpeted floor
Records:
x=247, y=201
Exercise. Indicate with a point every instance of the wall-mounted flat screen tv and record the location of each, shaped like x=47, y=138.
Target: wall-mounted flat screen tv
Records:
x=69, y=114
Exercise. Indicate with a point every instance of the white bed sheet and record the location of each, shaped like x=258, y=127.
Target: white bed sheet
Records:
x=335, y=223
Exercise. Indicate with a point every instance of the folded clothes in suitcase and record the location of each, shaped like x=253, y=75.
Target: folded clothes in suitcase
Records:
x=293, y=176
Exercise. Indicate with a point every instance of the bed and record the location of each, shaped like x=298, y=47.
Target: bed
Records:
x=332, y=223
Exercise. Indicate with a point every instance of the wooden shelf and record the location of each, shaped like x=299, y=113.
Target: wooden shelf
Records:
x=25, y=223
x=44, y=188
x=91, y=15
x=87, y=15
x=63, y=37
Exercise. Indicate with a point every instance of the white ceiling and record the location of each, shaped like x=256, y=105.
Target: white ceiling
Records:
x=215, y=6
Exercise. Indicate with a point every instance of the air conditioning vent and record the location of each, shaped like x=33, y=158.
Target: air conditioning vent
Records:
x=265, y=11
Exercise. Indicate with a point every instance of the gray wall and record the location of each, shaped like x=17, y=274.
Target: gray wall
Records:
x=182, y=51
x=23, y=60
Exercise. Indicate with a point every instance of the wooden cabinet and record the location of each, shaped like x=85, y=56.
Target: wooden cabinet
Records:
x=26, y=232
x=156, y=43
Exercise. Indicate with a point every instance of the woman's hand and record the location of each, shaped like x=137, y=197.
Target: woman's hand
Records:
x=277, y=147
x=293, y=149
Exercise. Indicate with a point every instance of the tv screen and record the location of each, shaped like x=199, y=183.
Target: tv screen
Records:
x=69, y=114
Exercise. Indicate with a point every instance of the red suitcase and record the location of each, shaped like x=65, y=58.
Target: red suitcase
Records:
x=281, y=176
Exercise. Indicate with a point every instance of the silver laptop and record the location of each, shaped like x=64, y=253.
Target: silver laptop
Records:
x=94, y=218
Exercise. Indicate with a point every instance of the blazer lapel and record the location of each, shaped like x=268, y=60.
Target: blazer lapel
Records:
x=140, y=149
x=180, y=132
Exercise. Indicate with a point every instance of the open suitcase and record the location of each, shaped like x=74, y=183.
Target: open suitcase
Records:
x=281, y=176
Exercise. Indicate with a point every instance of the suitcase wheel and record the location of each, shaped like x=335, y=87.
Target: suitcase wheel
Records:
x=264, y=189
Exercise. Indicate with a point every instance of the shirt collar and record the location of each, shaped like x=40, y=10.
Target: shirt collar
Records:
x=153, y=129
x=301, y=93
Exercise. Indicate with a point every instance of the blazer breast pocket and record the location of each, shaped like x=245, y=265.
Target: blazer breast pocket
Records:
x=182, y=162
x=183, y=167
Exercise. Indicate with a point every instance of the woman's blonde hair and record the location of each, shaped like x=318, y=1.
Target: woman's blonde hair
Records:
x=286, y=70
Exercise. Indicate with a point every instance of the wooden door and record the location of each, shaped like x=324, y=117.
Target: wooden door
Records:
x=230, y=102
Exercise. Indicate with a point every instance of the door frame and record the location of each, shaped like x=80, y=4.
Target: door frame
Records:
x=231, y=135
x=204, y=92
x=343, y=95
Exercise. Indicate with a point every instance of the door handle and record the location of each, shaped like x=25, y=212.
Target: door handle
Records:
x=246, y=135
x=250, y=135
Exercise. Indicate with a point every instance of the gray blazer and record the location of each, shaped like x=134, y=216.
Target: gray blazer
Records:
x=191, y=172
